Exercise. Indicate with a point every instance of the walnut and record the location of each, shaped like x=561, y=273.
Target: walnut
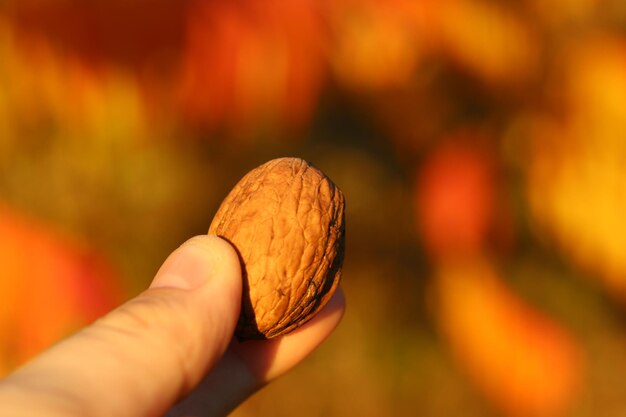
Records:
x=286, y=221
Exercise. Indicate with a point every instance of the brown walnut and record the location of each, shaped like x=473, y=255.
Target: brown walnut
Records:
x=286, y=221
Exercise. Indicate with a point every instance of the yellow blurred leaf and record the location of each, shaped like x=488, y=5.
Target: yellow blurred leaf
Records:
x=377, y=44
x=43, y=89
x=488, y=40
x=576, y=172
x=561, y=13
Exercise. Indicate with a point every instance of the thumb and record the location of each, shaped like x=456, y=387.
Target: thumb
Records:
x=144, y=356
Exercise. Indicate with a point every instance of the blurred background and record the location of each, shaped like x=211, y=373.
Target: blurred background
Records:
x=481, y=145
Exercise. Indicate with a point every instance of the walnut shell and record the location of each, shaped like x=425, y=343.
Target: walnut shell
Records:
x=286, y=221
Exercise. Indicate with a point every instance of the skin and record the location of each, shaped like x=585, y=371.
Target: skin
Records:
x=168, y=352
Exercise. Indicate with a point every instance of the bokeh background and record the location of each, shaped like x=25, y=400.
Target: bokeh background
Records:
x=481, y=145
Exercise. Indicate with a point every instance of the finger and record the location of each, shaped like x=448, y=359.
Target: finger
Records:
x=145, y=355
x=248, y=366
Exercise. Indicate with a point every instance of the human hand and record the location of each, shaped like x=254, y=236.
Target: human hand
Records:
x=173, y=344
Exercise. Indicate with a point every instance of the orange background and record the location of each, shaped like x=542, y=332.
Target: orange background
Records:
x=481, y=145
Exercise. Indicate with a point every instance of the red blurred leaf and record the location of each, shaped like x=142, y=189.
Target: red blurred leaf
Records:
x=123, y=32
x=51, y=286
x=455, y=196
x=250, y=64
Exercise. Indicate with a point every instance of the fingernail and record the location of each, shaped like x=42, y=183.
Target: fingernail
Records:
x=187, y=268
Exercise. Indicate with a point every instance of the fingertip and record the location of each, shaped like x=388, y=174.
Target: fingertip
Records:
x=269, y=359
x=222, y=251
x=198, y=260
x=336, y=305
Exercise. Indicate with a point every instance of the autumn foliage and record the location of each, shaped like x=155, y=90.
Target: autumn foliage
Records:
x=491, y=132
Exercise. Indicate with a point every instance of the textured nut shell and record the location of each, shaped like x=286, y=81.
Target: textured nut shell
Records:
x=286, y=220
